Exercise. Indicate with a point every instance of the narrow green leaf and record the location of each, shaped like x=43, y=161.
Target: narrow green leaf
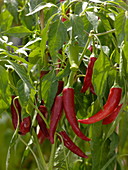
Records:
x=44, y=35
x=4, y=89
x=3, y=80
x=108, y=163
x=18, y=31
x=56, y=37
x=119, y=26
x=101, y=68
x=40, y=7
x=14, y=56
x=22, y=73
x=24, y=92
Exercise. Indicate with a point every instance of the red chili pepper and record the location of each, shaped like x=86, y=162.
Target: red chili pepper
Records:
x=69, y=108
x=60, y=87
x=112, y=116
x=112, y=102
x=56, y=114
x=41, y=122
x=14, y=113
x=90, y=48
x=88, y=77
x=25, y=126
x=71, y=145
x=43, y=73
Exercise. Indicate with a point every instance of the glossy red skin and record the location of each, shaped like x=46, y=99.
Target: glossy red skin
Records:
x=60, y=87
x=88, y=76
x=14, y=113
x=56, y=114
x=69, y=108
x=112, y=116
x=71, y=145
x=41, y=122
x=25, y=126
x=111, y=103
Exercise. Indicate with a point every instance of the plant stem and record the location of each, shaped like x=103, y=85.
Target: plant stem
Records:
x=42, y=116
x=84, y=50
x=51, y=162
x=42, y=160
x=34, y=155
x=66, y=161
x=71, y=79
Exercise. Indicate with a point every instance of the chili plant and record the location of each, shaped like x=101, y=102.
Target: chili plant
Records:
x=64, y=84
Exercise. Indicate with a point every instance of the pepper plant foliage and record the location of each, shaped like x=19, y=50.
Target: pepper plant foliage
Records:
x=36, y=54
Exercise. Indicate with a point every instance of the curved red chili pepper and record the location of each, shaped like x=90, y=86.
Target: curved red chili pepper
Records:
x=112, y=102
x=88, y=76
x=112, y=116
x=71, y=145
x=25, y=126
x=14, y=113
x=69, y=108
x=41, y=122
x=56, y=114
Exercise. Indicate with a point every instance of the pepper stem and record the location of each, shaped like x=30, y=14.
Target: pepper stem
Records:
x=41, y=157
x=71, y=79
x=51, y=162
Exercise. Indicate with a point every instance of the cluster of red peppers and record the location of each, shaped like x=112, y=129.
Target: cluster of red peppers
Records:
x=64, y=100
x=25, y=124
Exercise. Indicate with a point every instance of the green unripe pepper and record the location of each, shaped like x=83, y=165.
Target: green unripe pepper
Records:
x=74, y=56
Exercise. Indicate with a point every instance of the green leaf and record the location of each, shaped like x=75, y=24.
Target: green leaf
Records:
x=44, y=35
x=22, y=73
x=40, y=7
x=121, y=23
x=49, y=89
x=18, y=31
x=6, y=20
x=17, y=58
x=101, y=68
x=23, y=92
x=12, y=7
x=4, y=89
x=78, y=28
x=65, y=72
x=56, y=37
x=3, y=80
x=93, y=19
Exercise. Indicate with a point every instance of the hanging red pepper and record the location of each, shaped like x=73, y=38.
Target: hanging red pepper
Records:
x=69, y=108
x=71, y=145
x=88, y=76
x=112, y=102
x=41, y=122
x=56, y=114
x=25, y=126
x=112, y=116
x=14, y=112
x=60, y=87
